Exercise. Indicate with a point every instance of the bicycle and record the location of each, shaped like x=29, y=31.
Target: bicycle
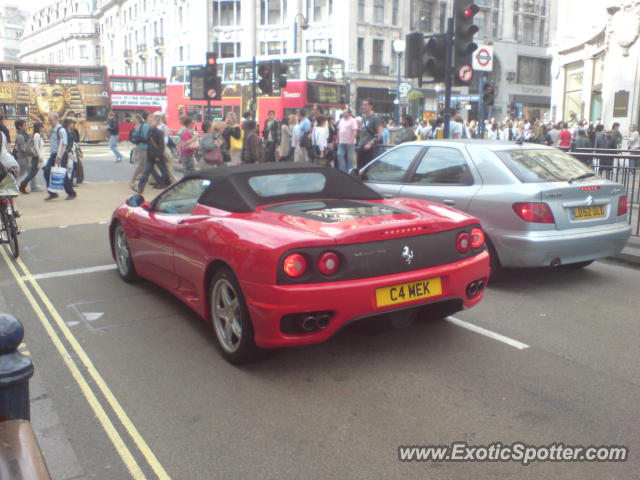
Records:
x=9, y=228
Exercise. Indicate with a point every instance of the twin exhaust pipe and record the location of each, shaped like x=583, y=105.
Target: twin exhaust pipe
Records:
x=312, y=322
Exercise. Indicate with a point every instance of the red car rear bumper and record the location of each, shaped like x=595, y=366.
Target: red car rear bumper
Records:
x=349, y=299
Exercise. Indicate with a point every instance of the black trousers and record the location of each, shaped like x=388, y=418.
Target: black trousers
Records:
x=68, y=179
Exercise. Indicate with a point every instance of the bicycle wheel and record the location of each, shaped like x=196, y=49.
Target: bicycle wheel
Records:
x=11, y=232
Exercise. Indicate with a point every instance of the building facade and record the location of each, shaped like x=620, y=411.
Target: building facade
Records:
x=148, y=37
x=12, y=23
x=65, y=32
x=595, y=70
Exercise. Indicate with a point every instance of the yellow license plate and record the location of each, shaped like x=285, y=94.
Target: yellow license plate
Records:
x=595, y=211
x=408, y=292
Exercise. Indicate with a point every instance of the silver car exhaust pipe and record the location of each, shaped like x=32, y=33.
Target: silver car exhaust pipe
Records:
x=308, y=324
x=555, y=262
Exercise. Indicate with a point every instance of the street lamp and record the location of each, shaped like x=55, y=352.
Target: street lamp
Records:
x=304, y=25
x=398, y=47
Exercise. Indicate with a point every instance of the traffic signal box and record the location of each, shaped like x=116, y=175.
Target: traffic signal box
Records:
x=464, y=30
x=265, y=73
x=488, y=94
x=426, y=56
x=212, y=83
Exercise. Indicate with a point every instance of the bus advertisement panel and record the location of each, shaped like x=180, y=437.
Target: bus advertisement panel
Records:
x=130, y=95
x=32, y=92
x=311, y=79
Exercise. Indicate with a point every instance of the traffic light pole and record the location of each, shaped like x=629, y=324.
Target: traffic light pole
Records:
x=254, y=101
x=448, y=76
x=481, y=106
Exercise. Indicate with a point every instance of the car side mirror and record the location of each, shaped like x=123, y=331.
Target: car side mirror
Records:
x=135, y=200
x=354, y=172
x=146, y=206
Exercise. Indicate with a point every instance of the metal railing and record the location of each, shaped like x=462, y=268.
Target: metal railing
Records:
x=620, y=166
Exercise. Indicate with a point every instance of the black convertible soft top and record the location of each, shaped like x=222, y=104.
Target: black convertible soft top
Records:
x=230, y=189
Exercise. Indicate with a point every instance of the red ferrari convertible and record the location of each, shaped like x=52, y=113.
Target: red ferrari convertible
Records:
x=281, y=255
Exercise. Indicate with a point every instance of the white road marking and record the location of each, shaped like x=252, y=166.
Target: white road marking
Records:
x=76, y=271
x=92, y=316
x=488, y=333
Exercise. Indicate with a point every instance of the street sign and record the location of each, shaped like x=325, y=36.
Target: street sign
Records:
x=466, y=73
x=404, y=89
x=483, y=59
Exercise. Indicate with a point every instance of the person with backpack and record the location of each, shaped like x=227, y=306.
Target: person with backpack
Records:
x=56, y=136
x=63, y=158
x=211, y=146
x=188, y=145
x=304, y=137
x=139, y=136
x=114, y=130
x=155, y=155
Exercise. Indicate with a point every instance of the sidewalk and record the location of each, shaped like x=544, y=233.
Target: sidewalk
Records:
x=631, y=253
x=95, y=203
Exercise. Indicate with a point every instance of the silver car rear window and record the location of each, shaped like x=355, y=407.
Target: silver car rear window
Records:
x=535, y=166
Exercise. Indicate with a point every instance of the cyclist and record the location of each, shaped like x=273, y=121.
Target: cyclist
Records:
x=8, y=185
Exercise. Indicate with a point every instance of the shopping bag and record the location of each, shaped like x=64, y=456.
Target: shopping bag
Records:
x=56, y=181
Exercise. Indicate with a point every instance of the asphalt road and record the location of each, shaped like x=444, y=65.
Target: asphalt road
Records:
x=151, y=392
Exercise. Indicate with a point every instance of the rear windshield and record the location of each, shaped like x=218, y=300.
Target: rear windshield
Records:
x=535, y=166
x=287, y=183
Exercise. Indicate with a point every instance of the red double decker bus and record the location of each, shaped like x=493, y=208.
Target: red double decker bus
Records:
x=312, y=79
x=133, y=94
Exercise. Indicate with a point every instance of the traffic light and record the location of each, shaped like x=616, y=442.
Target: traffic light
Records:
x=425, y=57
x=464, y=30
x=265, y=83
x=434, y=58
x=212, y=83
x=413, y=55
x=488, y=94
x=280, y=71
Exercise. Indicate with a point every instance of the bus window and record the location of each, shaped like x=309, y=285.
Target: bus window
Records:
x=293, y=72
x=244, y=71
x=213, y=113
x=228, y=72
x=92, y=77
x=177, y=74
x=96, y=114
x=122, y=84
x=63, y=77
x=31, y=76
x=320, y=68
x=6, y=75
x=324, y=93
x=139, y=85
x=195, y=112
x=154, y=86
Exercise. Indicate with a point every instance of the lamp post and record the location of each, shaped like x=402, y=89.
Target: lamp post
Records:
x=437, y=89
x=398, y=47
x=303, y=25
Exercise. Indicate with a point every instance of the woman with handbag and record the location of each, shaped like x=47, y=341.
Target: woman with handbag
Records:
x=35, y=148
x=233, y=137
x=211, y=145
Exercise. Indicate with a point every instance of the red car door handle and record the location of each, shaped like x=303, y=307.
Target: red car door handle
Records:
x=191, y=220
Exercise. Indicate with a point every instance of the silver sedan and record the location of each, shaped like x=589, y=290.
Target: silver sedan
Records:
x=538, y=205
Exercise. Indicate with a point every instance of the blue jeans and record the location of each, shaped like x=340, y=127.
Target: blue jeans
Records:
x=346, y=156
x=113, y=145
x=31, y=176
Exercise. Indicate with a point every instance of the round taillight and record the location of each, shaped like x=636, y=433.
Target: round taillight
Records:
x=463, y=242
x=328, y=263
x=477, y=238
x=295, y=265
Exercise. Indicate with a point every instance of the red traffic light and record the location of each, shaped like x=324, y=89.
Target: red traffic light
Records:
x=470, y=11
x=211, y=60
x=264, y=71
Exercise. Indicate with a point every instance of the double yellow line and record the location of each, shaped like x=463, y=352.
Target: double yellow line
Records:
x=90, y=370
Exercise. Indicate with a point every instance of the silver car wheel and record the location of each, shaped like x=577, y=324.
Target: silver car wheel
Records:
x=123, y=254
x=226, y=315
